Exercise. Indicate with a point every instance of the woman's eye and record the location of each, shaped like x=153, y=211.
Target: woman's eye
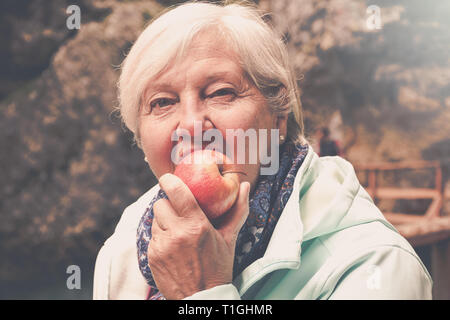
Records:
x=223, y=92
x=162, y=103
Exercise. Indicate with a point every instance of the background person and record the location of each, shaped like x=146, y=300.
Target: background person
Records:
x=328, y=146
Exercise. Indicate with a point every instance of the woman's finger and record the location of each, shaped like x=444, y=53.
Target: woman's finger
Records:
x=181, y=198
x=161, y=212
x=156, y=231
x=235, y=218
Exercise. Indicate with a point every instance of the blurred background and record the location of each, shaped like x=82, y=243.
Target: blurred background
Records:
x=375, y=74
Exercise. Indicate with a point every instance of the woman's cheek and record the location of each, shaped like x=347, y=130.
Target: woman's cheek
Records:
x=157, y=147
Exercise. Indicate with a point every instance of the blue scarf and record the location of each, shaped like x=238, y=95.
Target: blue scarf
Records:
x=265, y=207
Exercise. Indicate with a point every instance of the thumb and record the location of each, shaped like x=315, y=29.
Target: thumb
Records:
x=235, y=218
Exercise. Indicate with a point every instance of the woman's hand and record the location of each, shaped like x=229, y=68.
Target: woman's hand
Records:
x=186, y=253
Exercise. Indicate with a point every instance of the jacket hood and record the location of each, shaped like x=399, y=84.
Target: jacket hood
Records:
x=332, y=199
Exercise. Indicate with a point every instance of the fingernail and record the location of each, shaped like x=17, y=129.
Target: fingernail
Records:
x=248, y=188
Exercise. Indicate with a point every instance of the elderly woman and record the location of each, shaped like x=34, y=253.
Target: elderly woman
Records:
x=298, y=227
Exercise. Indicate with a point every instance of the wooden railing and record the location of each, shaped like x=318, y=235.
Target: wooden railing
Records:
x=422, y=229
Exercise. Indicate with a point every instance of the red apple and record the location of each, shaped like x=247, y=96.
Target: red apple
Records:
x=205, y=173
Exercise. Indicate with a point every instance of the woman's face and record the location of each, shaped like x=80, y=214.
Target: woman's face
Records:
x=207, y=86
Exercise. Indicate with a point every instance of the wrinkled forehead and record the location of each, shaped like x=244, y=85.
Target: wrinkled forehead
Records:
x=214, y=39
x=212, y=42
x=209, y=48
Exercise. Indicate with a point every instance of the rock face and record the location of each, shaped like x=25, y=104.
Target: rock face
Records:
x=32, y=31
x=69, y=169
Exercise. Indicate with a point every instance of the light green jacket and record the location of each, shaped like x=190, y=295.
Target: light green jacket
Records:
x=331, y=242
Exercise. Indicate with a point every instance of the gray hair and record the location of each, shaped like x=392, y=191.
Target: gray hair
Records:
x=262, y=52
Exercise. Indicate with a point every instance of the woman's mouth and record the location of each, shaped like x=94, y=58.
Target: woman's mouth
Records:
x=187, y=150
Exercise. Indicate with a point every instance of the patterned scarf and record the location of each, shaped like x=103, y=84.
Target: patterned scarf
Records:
x=265, y=207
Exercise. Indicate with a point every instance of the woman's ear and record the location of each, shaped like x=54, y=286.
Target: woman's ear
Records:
x=280, y=97
x=281, y=123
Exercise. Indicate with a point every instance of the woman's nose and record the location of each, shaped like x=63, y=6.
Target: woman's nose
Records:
x=194, y=118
